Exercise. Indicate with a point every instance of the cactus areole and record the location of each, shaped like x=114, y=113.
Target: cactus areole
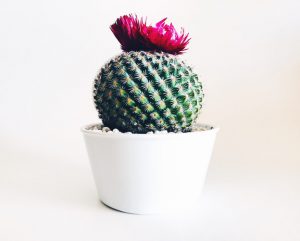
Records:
x=148, y=87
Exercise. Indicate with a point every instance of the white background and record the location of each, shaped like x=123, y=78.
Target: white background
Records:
x=248, y=54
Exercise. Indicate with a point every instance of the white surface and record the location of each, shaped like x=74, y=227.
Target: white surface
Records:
x=248, y=53
x=148, y=174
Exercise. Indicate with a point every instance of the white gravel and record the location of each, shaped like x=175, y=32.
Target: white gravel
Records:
x=103, y=129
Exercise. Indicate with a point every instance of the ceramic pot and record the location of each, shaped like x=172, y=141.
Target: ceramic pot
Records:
x=149, y=173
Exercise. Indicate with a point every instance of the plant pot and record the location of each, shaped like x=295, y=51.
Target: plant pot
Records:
x=149, y=173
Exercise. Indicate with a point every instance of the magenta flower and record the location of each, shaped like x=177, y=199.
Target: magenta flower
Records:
x=135, y=35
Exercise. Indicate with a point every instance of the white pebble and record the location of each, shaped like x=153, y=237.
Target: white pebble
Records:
x=105, y=129
x=116, y=131
x=150, y=132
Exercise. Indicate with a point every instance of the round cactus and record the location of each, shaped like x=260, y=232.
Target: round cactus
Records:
x=141, y=91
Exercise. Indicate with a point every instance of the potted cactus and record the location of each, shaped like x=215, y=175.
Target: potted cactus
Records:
x=148, y=154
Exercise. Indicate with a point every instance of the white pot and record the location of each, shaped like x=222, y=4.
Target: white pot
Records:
x=149, y=173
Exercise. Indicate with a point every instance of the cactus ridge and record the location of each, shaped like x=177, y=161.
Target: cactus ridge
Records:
x=147, y=91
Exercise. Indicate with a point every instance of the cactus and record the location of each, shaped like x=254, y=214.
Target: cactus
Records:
x=147, y=89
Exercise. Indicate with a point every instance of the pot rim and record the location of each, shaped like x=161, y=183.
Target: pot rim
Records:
x=85, y=131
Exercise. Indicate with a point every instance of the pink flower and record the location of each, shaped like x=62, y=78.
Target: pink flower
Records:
x=135, y=35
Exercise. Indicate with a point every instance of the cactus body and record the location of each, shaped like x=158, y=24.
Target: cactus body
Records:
x=147, y=91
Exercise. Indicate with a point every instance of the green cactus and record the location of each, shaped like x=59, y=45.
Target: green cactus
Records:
x=140, y=91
